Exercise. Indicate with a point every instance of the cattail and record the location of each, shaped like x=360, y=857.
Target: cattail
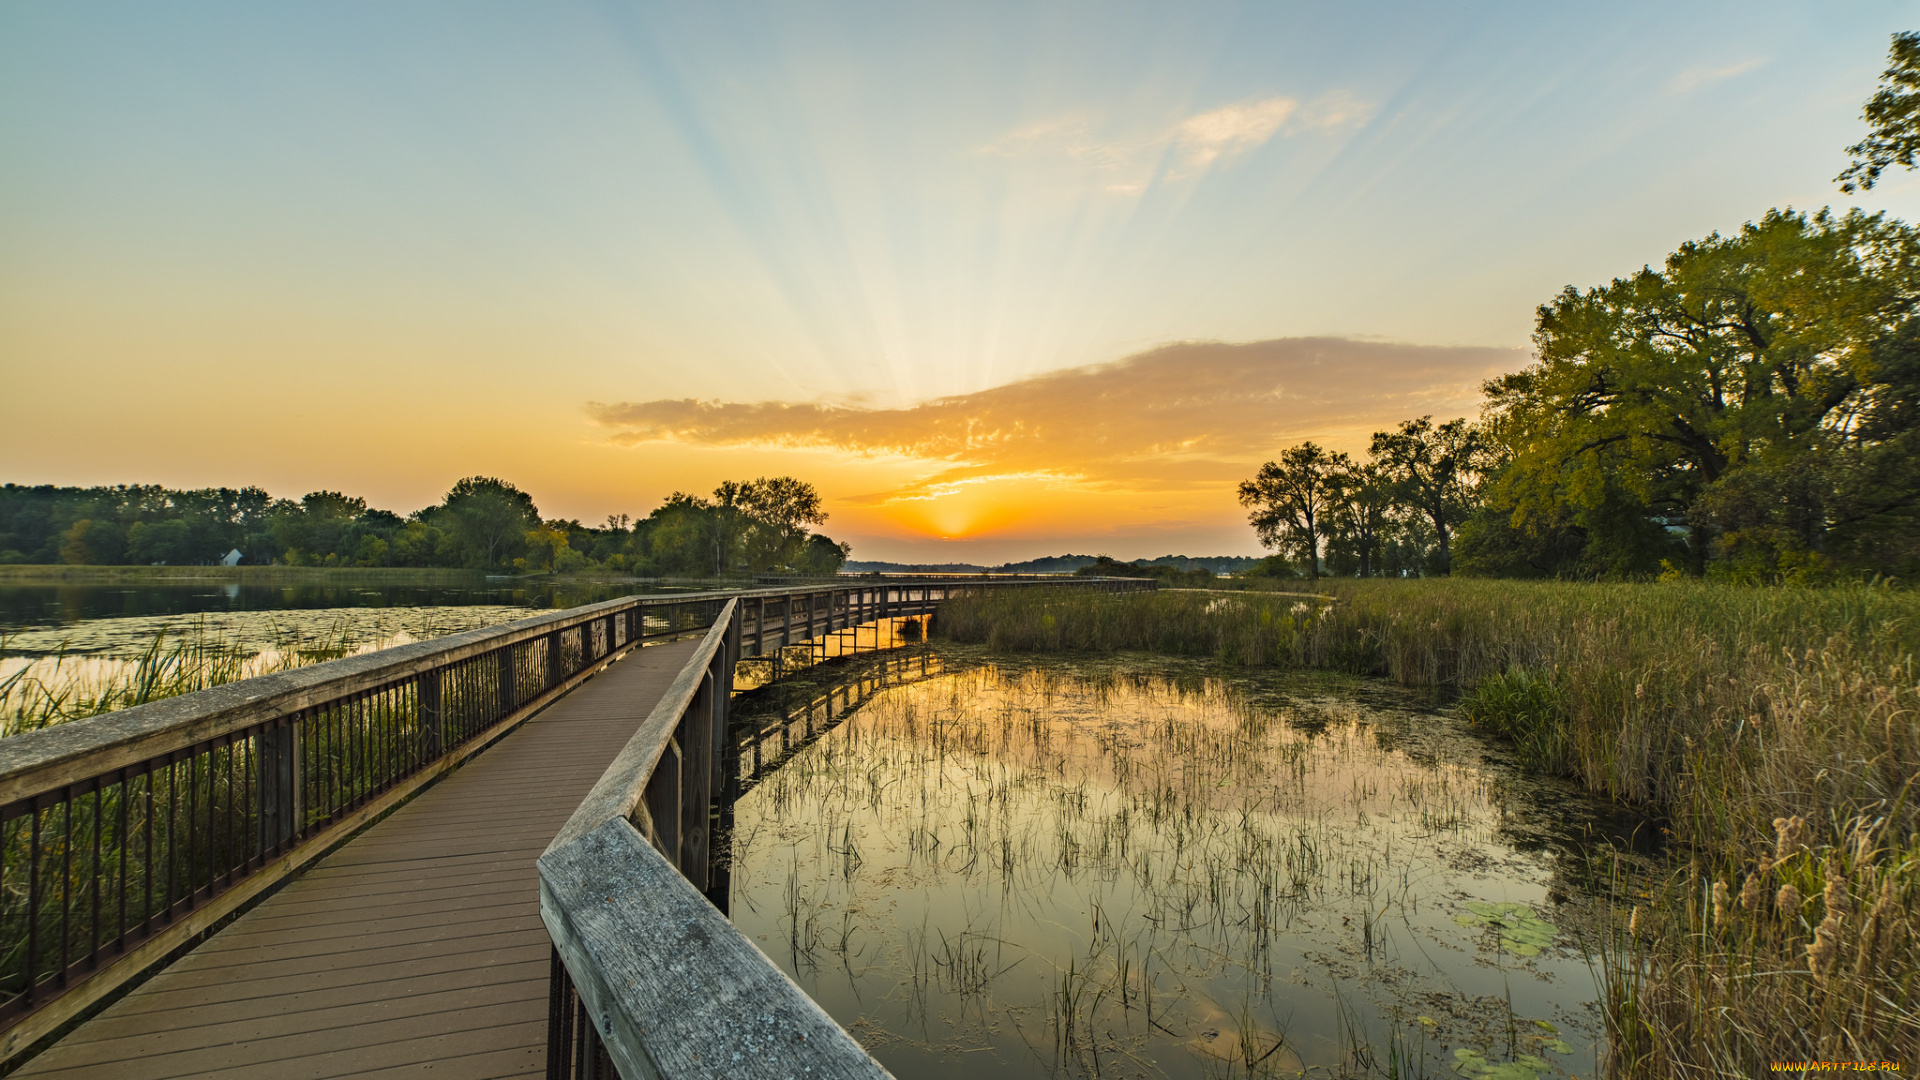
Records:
x=1720, y=903
x=1825, y=949
x=1836, y=898
x=1633, y=921
x=1791, y=836
x=1751, y=892
x=1788, y=900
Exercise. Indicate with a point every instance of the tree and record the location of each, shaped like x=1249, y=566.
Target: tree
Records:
x=1287, y=499
x=729, y=523
x=1743, y=351
x=1433, y=472
x=1359, y=518
x=779, y=509
x=820, y=556
x=488, y=519
x=1893, y=113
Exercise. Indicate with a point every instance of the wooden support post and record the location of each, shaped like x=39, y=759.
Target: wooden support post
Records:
x=662, y=800
x=554, y=674
x=507, y=680
x=428, y=722
x=696, y=782
x=277, y=752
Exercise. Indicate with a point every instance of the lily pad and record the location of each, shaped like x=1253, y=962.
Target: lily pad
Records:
x=1521, y=931
x=1474, y=1065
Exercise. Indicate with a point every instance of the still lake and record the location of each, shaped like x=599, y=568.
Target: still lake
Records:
x=108, y=624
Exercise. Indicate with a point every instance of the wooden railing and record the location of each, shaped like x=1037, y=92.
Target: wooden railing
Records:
x=125, y=836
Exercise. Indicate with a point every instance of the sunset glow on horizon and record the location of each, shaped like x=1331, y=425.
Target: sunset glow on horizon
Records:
x=1001, y=281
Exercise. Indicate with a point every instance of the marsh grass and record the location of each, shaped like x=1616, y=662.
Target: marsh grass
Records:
x=73, y=686
x=1726, y=709
x=72, y=681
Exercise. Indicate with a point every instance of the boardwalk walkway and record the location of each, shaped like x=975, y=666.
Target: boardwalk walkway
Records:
x=415, y=950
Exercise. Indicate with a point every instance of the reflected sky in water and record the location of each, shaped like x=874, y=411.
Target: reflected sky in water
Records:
x=1113, y=870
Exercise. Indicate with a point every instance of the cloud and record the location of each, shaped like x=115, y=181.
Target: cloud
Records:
x=1179, y=417
x=1694, y=78
x=1206, y=136
x=1198, y=141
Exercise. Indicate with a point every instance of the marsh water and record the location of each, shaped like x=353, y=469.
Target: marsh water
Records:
x=98, y=627
x=989, y=866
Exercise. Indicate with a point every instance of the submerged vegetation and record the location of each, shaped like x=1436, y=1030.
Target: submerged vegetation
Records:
x=1774, y=729
x=46, y=680
x=1104, y=868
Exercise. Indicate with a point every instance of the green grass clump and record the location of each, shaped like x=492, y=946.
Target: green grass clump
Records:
x=1729, y=710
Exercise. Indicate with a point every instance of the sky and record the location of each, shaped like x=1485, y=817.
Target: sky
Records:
x=1001, y=280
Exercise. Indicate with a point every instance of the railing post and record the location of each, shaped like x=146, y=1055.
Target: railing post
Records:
x=509, y=676
x=428, y=721
x=696, y=782
x=277, y=752
x=554, y=673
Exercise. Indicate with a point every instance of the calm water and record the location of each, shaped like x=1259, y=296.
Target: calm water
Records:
x=93, y=631
x=1108, y=869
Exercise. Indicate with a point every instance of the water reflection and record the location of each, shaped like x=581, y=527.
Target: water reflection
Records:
x=49, y=607
x=87, y=636
x=1096, y=869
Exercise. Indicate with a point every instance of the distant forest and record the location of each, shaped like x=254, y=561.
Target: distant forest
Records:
x=754, y=526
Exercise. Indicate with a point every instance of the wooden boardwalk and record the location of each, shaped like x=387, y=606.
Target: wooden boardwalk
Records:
x=416, y=949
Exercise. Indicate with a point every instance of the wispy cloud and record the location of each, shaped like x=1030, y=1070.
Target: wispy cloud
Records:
x=1179, y=417
x=1203, y=138
x=1197, y=142
x=1696, y=77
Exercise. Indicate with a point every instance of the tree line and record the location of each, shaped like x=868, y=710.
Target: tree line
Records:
x=1749, y=410
x=752, y=526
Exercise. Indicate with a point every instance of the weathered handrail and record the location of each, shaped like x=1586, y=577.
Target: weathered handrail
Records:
x=126, y=835
x=649, y=977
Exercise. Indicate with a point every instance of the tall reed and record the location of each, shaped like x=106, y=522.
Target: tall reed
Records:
x=1726, y=709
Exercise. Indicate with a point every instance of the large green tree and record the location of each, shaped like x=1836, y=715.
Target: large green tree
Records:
x=780, y=509
x=1361, y=518
x=1742, y=352
x=1434, y=471
x=488, y=518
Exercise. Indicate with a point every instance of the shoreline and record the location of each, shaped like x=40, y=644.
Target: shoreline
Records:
x=233, y=575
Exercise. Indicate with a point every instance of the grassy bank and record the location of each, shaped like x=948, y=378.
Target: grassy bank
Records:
x=19, y=574
x=1777, y=729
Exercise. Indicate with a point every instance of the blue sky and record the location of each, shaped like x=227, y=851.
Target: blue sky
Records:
x=388, y=245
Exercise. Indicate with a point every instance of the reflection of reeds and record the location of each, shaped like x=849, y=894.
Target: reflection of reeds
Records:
x=1195, y=834
x=1725, y=708
x=72, y=685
